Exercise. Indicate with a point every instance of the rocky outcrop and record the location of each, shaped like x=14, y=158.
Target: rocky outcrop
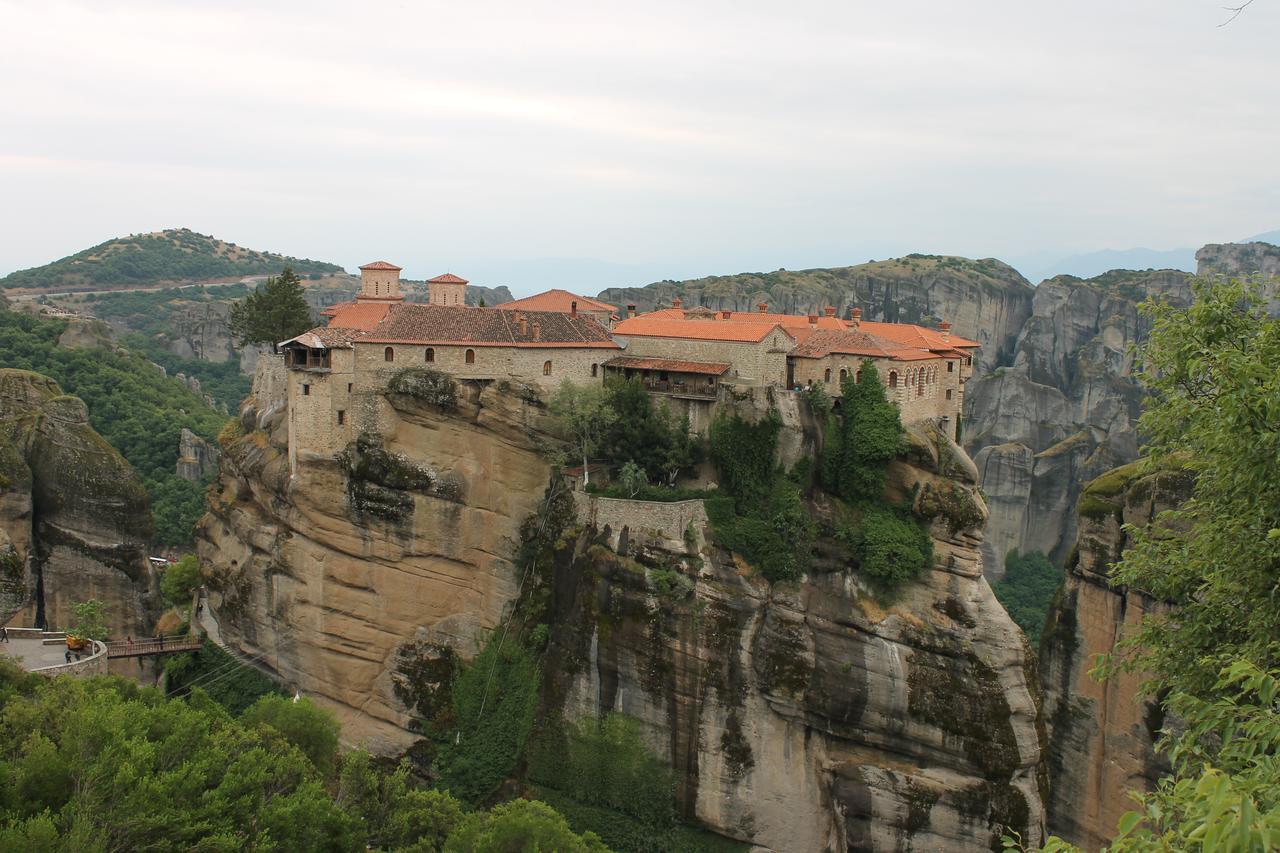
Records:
x=1101, y=739
x=74, y=518
x=1239, y=259
x=1065, y=411
x=323, y=574
x=197, y=458
x=813, y=716
x=985, y=300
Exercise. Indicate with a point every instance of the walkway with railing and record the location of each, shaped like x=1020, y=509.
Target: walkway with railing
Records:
x=152, y=646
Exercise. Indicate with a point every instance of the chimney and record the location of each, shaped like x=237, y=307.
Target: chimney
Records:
x=762, y=307
x=631, y=311
x=813, y=319
x=855, y=316
x=573, y=308
x=830, y=310
x=522, y=323
x=727, y=314
x=945, y=328
x=537, y=330
x=677, y=302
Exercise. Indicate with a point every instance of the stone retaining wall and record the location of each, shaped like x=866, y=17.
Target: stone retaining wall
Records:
x=665, y=520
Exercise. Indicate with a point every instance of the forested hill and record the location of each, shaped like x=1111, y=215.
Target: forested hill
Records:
x=132, y=404
x=177, y=255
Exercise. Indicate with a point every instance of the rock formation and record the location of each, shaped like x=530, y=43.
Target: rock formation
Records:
x=1100, y=737
x=804, y=717
x=1239, y=259
x=197, y=458
x=1065, y=411
x=74, y=518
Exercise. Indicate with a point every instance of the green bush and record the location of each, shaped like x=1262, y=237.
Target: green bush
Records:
x=180, y=580
x=890, y=545
x=858, y=445
x=520, y=825
x=647, y=435
x=311, y=729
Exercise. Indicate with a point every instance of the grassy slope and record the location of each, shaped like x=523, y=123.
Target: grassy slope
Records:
x=176, y=255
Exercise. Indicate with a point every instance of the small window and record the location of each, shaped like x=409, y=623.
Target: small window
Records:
x=389, y=354
x=546, y=368
x=951, y=367
x=306, y=390
x=948, y=393
x=857, y=377
x=342, y=417
x=594, y=369
x=348, y=387
x=826, y=377
x=431, y=354
x=471, y=356
x=843, y=373
x=893, y=379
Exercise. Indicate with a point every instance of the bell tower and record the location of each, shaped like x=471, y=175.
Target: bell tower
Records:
x=447, y=289
x=380, y=282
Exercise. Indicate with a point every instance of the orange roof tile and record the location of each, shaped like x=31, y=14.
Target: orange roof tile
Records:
x=357, y=315
x=380, y=265
x=447, y=278
x=853, y=342
x=913, y=335
x=647, y=326
x=711, y=368
x=556, y=300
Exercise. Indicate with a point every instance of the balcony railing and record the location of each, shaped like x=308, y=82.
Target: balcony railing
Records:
x=681, y=389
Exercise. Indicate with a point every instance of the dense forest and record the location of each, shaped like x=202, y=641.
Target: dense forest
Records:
x=175, y=255
x=132, y=404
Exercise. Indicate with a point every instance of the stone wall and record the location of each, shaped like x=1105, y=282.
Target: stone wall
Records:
x=760, y=363
x=932, y=403
x=669, y=521
x=580, y=365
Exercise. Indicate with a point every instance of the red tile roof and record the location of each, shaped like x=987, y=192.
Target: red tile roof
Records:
x=441, y=324
x=800, y=327
x=916, y=336
x=380, y=265
x=556, y=300
x=647, y=326
x=357, y=315
x=711, y=368
x=447, y=278
x=824, y=342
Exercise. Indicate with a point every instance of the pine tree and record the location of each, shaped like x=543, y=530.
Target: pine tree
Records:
x=274, y=312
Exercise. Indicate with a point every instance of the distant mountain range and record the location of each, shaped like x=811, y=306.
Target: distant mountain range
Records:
x=1089, y=264
x=175, y=256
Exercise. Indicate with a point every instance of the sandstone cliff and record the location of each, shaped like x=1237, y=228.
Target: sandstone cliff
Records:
x=74, y=519
x=985, y=300
x=806, y=717
x=1065, y=411
x=1239, y=259
x=1100, y=738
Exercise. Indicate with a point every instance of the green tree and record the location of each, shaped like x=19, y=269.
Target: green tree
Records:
x=274, y=312
x=395, y=816
x=584, y=416
x=180, y=580
x=89, y=620
x=640, y=432
x=632, y=479
x=520, y=825
x=312, y=730
x=870, y=436
x=1027, y=589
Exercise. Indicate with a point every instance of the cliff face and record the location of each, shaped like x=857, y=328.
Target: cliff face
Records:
x=813, y=716
x=985, y=300
x=74, y=518
x=1101, y=741
x=809, y=717
x=1065, y=411
x=1239, y=259
x=330, y=576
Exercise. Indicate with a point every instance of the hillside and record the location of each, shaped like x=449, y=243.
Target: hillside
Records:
x=175, y=255
x=131, y=403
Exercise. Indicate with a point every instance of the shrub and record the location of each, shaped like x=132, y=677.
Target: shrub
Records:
x=311, y=729
x=890, y=545
x=180, y=580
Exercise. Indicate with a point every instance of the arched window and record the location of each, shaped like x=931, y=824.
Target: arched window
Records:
x=471, y=356
x=826, y=377
x=893, y=379
x=843, y=374
x=920, y=384
x=388, y=354
x=431, y=354
x=857, y=377
x=546, y=368
x=594, y=369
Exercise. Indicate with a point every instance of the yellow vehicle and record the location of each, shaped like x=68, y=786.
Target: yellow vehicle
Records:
x=76, y=643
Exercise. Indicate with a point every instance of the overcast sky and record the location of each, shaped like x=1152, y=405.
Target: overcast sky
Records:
x=514, y=143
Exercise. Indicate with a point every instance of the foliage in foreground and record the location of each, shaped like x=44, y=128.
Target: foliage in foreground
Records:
x=1027, y=589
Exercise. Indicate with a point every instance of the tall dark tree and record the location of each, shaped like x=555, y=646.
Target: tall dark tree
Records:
x=274, y=312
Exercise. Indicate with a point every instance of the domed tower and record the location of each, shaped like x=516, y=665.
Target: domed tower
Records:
x=447, y=289
x=380, y=282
